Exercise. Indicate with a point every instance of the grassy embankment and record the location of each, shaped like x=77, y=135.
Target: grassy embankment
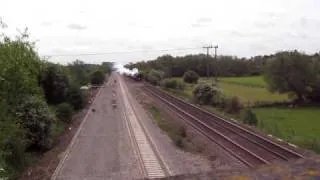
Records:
x=299, y=125
x=174, y=130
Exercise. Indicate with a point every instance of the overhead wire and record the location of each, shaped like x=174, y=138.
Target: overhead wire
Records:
x=118, y=52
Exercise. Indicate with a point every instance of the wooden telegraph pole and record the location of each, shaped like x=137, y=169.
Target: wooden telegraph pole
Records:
x=208, y=47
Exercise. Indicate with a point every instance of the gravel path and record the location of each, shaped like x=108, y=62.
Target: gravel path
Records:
x=176, y=160
x=102, y=149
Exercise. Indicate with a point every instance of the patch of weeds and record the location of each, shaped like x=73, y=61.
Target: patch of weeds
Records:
x=176, y=132
x=58, y=128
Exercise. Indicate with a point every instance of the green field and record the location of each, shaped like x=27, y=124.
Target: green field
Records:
x=248, y=89
x=300, y=126
x=252, y=81
x=251, y=94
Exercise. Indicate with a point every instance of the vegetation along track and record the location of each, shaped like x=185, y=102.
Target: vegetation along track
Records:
x=249, y=147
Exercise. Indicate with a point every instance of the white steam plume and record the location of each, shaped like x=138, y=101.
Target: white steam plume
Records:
x=123, y=70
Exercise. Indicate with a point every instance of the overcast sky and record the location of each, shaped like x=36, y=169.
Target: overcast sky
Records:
x=242, y=28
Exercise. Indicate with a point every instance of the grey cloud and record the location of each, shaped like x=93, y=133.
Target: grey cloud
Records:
x=46, y=23
x=77, y=27
x=309, y=22
x=261, y=24
x=201, y=22
x=243, y=34
x=298, y=35
x=236, y=33
x=197, y=25
x=204, y=20
x=305, y=22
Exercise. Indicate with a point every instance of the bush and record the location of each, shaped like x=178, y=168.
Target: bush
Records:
x=233, y=105
x=154, y=77
x=179, y=142
x=182, y=131
x=76, y=98
x=54, y=83
x=218, y=97
x=248, y=117
x=65, y=112
x=190, y=77
x=97, y=78
x=172, y=84
x=13, y=142
x=37, y=120
x=203, y=94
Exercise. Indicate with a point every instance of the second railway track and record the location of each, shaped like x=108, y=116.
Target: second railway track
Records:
x=249, y=147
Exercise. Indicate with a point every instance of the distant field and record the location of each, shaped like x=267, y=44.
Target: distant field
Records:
x=246, y=93
x=248, y=89
x=252, y=81
x=300, y=126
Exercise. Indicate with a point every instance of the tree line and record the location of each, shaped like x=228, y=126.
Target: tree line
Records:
x=35, y=97
x=291, y=72
x=222, y=66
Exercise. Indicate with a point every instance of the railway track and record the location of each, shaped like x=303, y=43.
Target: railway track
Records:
x=247, y=146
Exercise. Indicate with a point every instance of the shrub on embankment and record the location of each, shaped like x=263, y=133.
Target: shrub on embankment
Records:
x=172, y=84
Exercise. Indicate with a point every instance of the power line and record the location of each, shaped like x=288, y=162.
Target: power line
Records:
x=118, y=52
x=208, y=47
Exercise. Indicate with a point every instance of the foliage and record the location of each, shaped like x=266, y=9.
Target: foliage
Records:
x=20, y=68
x=76, y=97
x=248, y=94
x=13, y=143
x=97, y=78
x=299, y=125
x=203, y=94
x=25, y=82
x=65, y=112
x=314, y=93
x=174, y=130
x=107, y=67
x=223, y=66
x=80, y=72
x=248, y=117
x=190, y=77
x=232, y=105
x=289, y=72
x=250, y=81
x=218, y=98
x=154, y=77
x=54, y=82
x=36, y=118
x=172, y=84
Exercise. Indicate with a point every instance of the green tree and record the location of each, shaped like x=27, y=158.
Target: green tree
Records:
x=54, y=82
x=76, y=97
x=203, y=94
x=79, y=72
x=65, y=112
x=232, y=105
x=107, y=67
x=37, y=119
x=21, y=119
x=314, y=93
x=190, y=77
x=155, y=76
x=289, y=72
x=97, y=78
x=248, y=117
x=172, y=84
